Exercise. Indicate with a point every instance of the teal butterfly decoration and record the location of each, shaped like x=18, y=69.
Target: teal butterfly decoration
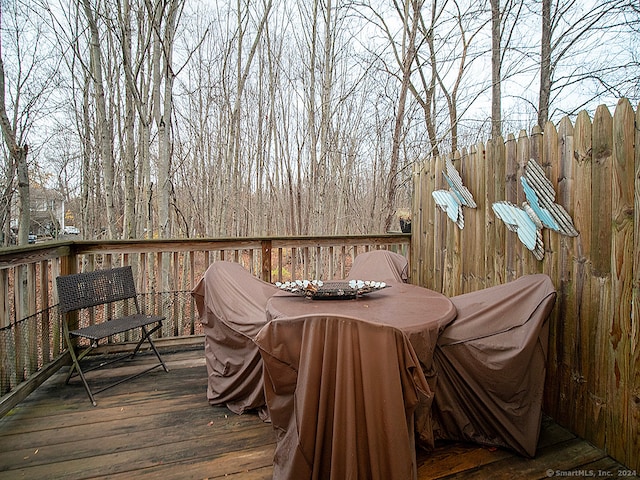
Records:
x=540, y=210
x=451, y=201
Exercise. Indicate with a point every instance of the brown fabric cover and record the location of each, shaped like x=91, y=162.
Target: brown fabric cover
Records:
x=379, y=265
x=341, y=393
x=491, y=362
x=421, y=314
x=231, y=303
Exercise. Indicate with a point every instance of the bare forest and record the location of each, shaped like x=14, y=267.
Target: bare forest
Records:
x=207, y=118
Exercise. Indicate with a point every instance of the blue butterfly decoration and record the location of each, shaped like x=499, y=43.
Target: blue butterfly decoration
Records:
x=537, y=212
x=451, y=201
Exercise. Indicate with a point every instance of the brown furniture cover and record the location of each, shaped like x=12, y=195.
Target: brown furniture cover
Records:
x=379, y=265
x=491, y=362
x=341, y=393
x=421, y=314
x=232, y=303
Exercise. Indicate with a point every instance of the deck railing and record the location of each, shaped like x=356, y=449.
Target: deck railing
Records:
x=166, y=272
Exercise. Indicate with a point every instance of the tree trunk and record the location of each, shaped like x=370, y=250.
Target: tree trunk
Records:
x=129, y=226
x=325, y=117
x=312, y=202
x=545, y=65
x=23, y=194
x=409, y=54
x=429, y=107
x=87, y=200
x=164, y=121
x=233, y=145
x=7, y=193
x=496, y=77
x=139, y=91
x=18, y=158
x=104, y=131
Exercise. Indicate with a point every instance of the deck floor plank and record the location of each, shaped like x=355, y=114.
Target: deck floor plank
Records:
x=161, y=426
x=549, y=462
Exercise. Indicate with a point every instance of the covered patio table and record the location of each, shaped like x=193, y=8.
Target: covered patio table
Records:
x=349, y=383
x=421, y=314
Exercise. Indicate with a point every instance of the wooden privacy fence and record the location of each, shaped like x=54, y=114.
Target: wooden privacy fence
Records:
x=593, y=370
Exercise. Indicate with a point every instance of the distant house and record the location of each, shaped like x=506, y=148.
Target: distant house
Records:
x=47, y=211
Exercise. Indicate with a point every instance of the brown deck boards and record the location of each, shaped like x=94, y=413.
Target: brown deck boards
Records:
x=161, y=426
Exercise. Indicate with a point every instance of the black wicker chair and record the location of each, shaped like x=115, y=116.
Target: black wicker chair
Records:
x=114, y=289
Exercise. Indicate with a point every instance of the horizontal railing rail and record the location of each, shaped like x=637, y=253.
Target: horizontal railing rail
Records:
x=165, y=270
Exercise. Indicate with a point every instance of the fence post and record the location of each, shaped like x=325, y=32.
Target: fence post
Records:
x=266, y=260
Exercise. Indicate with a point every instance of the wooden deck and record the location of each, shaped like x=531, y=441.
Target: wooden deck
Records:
x=161, y=426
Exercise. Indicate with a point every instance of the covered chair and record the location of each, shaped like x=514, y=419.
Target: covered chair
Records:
x=379, y=265
x=231, y=303
x=342, y=394
x=491, y=363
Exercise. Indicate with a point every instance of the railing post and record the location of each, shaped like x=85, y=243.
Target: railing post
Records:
x=68, y=266
x=266, y=260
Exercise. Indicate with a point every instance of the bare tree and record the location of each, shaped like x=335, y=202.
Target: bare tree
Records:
x=320, y=51
x=496, y=62
x=569, y=29
x=243, y=70
x=467, y=29
x=129, y=229
x=105, y=134
x=24, y=99
x=17, y=164
x=505, y=23
x=429, y=81
x=410, y=12
x=140, y=63
x=165, y=14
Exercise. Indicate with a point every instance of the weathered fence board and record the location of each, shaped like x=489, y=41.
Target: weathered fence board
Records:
x=583, y=357
x=512, y=250
x=465, y=167
x=602, y=139
x=634, y=365
x=593, y=375
x=622, y=276
x=439, y=228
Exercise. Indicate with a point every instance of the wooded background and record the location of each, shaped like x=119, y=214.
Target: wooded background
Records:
x=593, y=369
x=205, y=118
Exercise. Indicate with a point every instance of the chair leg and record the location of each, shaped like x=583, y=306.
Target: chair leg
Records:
x=146, y=335
x=76, y=364
x=84, y=380
x=76, y=358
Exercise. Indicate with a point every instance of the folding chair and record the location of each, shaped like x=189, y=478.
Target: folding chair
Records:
x=111, y=288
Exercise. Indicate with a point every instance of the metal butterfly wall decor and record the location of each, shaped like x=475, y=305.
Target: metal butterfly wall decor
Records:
x=451, y=201
x=538, y=211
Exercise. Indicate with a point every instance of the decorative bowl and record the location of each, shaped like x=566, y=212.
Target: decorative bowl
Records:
x=335, y=290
